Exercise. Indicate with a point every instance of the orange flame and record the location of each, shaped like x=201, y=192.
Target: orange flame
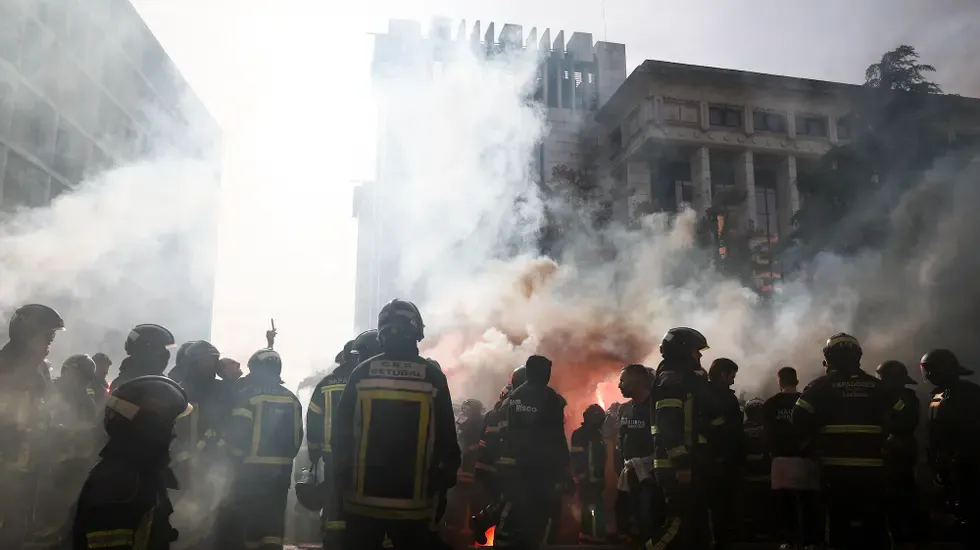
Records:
x=489, y=537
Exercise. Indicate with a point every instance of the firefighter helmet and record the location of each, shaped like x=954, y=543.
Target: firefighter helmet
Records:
x=594, y=412
x=842, y=346
x=199, y=350
x=942, y=363
x=32, y=318
x=308, y=492
x=146, y=407
x=401, y=317
x=682, y=342
x=148, y=337
x=753, y=409
x=265, y=360
x=81, y=365
x=339, y=358
x=471, y=407
x=894, y=370
x=367, y=345
x=518, y=377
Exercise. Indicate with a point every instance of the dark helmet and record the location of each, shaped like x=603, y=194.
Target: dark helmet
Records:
x=265, y=360
x=518, y=377
x=538, y=369
x=842, y=348
x=472, y=407
x=594, y=412
x=80, y=365
x=148, y=337
x=682, y=342
x=894, y=370
x=753, y=409
x=339, y=358
x=28, y=320
x=146, y=408
x=367, y=344
x=399, y=317
x=181, y=357
x=308, y=492
x=942, y=363
x=199, y=350
x=345, y=354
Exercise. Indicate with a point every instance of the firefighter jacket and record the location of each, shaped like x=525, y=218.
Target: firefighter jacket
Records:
x=132, y=367
x=200, y=433
x=636, y=429
x=901, y=450
x=777, y=419
x=485, y=468
x=954, y=441
x=23, y=415
x=265, y=430
x=100, y=392
x=841, y=420
x=394, y=438
x=588, y=454
x=124, y=504
x=684, y=415
x=726, y=429
x=77, y=416
x=757, y=464
x=320, y=413
x=469, y=433
x=532, y=432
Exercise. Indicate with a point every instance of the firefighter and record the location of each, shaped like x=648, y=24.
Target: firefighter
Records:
x=533, y=458
x=954, y=442
x=264, y=435
x=485, y=469
x=841, y=419
x=101, y=383
x=124, y=503
x=639, y=502
x=147, y=352
x=179, y=369
x=390, y=481
x=906, y=517
x=727, y=451
x=319, y=423
x=756, y=481
x=683, y=413
x=76, y=398
x=23, y=418
x=588, y=454
x=465, y=498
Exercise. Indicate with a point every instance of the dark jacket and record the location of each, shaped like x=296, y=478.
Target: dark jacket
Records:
x=588, y=454
x=532, y=431
x=636, y=422
x=954, y=441
x=777, y=420
x=23, y=415
x=320, y=413
x=684, y=415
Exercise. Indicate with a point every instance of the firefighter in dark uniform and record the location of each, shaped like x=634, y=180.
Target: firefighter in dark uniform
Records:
x=841, y=419
x=954, y=441
x=534, y=459
x=726, y=450
x=906, y=515
x=319, y=423
x=588, y=454
x=101, y=382
x=485, y=469
x=147, y=353
x=265, y=433
x=756, y=482
x=683, y=415
x=639, y=502
x=465, y=498
x=124, y=503
x=23, y=419
x=179, y=370
x=394, y=438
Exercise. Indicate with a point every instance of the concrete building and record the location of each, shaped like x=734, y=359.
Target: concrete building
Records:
x=575, y=77
x=84, y=87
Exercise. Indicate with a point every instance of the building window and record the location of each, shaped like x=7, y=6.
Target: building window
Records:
x=813, y=126
x=767, y=214
x=24, y=184
x=844, y=128
x=726, y=117
x=766, y=121
x=32, y=125
x=684, y=191
x=680, y=112
x=615, y=141
x=71, y=150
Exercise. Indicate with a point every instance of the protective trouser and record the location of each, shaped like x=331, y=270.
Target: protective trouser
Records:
x=333, y=521
x=756, y=518
x=722, y=497
x=526, y=513
x=799, y=520
x=962, y=495
x=264, y=515
x=593, y=527
x=369, y=533
x=17, y=507
x=855, y=511
x=907, y=517
x=687, y=525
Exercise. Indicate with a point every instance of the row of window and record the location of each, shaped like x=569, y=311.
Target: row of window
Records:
x=726, y=116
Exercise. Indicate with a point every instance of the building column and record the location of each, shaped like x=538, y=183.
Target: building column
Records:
x=787, y=193
x=745, y=181
x=638, y=189
x=701, y=176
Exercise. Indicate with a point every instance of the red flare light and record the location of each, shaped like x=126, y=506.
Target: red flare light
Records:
x=489, y=537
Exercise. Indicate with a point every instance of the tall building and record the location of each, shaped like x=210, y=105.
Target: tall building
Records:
x=85, y=87
x=575, y=77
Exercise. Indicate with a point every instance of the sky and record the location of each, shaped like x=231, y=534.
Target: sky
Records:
x=289, y=83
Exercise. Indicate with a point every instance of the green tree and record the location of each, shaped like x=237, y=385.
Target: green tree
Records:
x=900, y=70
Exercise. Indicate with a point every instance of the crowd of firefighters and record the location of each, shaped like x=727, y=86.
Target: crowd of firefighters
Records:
x=203, y=457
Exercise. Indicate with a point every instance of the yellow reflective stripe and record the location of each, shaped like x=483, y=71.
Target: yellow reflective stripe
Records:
x=110, y=538
x=277, y=541
x=329, y=394
x=720, y=421
x=336, y=525
x=381, y=513
x=314, y=446
x=660, y=463
x=805, y=406
x=850, y=429
x=673, y=528
x=863, y=462
x=702, y=439
x=507, y=461
x=90, y=391
x=575, y=449
x=492, y=429
x=269, y=460
x=258, y=399
x=653, y=429
x=667, y=403
x=182, y=456
x=315, y=409
x=244, y=413
x=899, y=405
x=677, y=451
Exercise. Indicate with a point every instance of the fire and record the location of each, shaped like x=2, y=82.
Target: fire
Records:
x=489, y=537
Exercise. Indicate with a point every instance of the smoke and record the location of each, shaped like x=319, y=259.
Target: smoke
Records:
x=466, y=216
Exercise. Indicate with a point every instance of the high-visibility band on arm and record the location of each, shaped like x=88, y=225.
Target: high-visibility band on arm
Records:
x=680, y=450
x=805, y=406
x=899, y=405
x=110, y=538
x=720, y=421
x=669, y=403
x=244, y=413
x=314, y=446
x=315, y=409
x=575, y=449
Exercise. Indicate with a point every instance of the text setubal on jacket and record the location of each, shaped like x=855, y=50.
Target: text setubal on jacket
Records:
x=265, y=430
x=394, y=438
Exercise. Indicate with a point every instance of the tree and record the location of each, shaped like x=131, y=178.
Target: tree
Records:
x=900, y=70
